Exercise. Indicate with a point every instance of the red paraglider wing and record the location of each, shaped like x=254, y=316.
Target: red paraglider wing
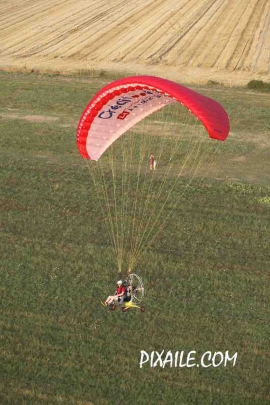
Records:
x=121, y=104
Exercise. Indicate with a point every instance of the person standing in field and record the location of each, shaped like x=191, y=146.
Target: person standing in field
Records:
x=151, y=161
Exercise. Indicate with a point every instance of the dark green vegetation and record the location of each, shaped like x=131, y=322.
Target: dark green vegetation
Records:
x=259, y=85
x=205, y=278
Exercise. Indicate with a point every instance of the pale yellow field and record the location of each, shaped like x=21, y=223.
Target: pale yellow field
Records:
x=188, y=40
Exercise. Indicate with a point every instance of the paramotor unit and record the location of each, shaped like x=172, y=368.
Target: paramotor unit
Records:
x=135, y=291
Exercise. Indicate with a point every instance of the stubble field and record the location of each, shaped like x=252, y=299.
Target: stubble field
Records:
x=189, y=40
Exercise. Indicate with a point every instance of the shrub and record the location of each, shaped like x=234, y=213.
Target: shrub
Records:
x=258, y=85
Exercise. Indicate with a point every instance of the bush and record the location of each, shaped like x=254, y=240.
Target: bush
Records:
x=258, y=85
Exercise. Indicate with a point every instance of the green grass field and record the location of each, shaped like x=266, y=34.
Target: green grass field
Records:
x=205, y=277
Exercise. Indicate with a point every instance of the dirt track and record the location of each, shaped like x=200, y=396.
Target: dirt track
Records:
x=189, y=40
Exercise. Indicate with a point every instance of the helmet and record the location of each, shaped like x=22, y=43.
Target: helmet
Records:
x=120, y=282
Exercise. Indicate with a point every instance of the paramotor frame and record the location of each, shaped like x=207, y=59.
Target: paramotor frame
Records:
x=136, y=288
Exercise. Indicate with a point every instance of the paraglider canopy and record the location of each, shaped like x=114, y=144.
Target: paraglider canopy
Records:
x=134, y=198
x=123, y=103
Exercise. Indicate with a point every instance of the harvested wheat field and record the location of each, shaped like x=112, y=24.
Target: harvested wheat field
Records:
x=189, y=40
